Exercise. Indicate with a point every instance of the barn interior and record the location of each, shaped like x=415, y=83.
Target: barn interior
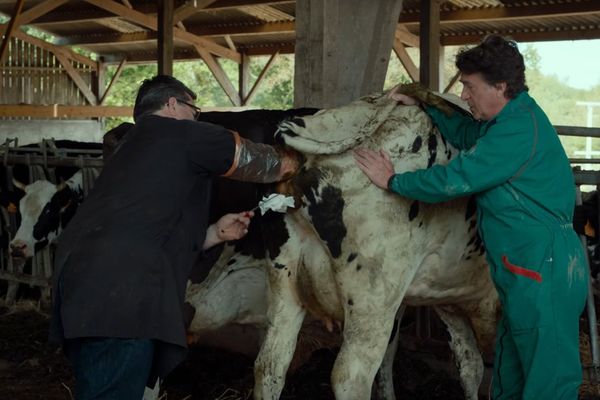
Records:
x=54, y=56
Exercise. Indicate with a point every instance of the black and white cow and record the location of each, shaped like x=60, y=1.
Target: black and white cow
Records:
x=45, y=209
x=353, y=253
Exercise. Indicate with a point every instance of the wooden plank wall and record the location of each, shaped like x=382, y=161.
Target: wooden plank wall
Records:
x=33, y=75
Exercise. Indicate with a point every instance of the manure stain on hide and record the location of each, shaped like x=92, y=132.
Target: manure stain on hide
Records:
x=414, y=210
x=351, y=257
x=358, y=267
x=350, y=302
x=279, y=266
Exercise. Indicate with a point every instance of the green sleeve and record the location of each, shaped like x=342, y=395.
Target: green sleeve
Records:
x=495, y=158
x=460, y=130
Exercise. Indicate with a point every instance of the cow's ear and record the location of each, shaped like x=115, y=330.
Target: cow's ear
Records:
x=19, y=185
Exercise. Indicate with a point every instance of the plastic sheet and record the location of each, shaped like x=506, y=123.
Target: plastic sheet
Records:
x=257, y=162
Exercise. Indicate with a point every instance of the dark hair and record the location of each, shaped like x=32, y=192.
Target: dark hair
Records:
x=498, y=60
x=155, y=92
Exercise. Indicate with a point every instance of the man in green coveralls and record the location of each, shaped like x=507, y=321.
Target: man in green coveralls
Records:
x=512, y=160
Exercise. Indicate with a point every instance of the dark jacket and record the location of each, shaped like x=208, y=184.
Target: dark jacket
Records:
x=124, y=259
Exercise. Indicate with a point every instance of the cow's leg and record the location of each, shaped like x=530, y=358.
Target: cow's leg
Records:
x=464, y=345
x=384, y=382
x=285, y=320
x=366, y=338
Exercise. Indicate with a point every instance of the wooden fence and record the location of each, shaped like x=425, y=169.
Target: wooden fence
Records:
x=33, y=75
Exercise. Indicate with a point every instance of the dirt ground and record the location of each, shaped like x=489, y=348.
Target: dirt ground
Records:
x=31, y=369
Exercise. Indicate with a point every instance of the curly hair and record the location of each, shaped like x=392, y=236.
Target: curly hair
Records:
x=498, y=60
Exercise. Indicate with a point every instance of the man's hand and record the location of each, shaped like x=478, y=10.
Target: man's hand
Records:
x=395, y=94
x=228, y=227
x=376, y=165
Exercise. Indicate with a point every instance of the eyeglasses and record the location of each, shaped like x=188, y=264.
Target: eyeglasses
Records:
x=196, y=109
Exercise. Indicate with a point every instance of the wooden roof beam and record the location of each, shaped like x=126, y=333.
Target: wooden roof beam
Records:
x=406, y=37
x=190, y=8
x=405, y=60
x=184, y=54
x=220, y=75
x=55, y=49
x=573, y=33
x=151, y=23
x=262, y=74
x=76, y=78
x=202, y=31
x=491, y=14
x=25, y=17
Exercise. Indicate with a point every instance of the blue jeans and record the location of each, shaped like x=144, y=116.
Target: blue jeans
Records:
x=110, y=368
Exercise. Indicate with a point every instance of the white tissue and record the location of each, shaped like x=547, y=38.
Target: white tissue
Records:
x=276, y=202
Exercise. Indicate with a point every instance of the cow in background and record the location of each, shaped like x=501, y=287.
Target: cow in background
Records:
x=585, y=222
x=353, y=253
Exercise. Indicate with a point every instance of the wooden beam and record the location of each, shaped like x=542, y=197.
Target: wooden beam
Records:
x=243, y=77
x=198, y=30
x=151, y=23
x=569, y=33
x=491, y=14
x=113, y=80
x=230, y=43
x=190, y=8
x=452, y=82
x=185, y=54
x=62, y=111
x=220, y=75
x=266, y=13
x=76, y=77
x=165, y=37
x=262, y=74
x=11, y=27
x=55, y=49
x=84, y=13
x=406, y=37
x=405, y=60
x=429, y=62
x=38, y=10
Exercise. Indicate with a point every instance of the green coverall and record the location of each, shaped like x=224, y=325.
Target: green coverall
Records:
x=525, y=195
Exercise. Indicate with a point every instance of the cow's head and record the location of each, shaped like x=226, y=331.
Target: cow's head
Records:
x=45, y=209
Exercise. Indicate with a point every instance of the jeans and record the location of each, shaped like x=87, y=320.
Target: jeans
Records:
x=110, y=368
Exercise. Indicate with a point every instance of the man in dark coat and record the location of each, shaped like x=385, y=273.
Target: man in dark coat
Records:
x=121, y=265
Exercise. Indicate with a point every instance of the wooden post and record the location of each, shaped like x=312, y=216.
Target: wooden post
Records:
x=165, y=37
x=429, y=33
x=243, y=77
x=342, y=49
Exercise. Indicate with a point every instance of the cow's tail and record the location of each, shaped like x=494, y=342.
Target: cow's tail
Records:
x=307, y=145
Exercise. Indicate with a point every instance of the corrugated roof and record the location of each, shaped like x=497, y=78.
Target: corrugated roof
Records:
x=114, y=31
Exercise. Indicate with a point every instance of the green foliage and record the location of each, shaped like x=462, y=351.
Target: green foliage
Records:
x=531, y=57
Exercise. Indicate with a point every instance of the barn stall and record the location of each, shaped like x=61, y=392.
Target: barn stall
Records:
x=48, y=88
